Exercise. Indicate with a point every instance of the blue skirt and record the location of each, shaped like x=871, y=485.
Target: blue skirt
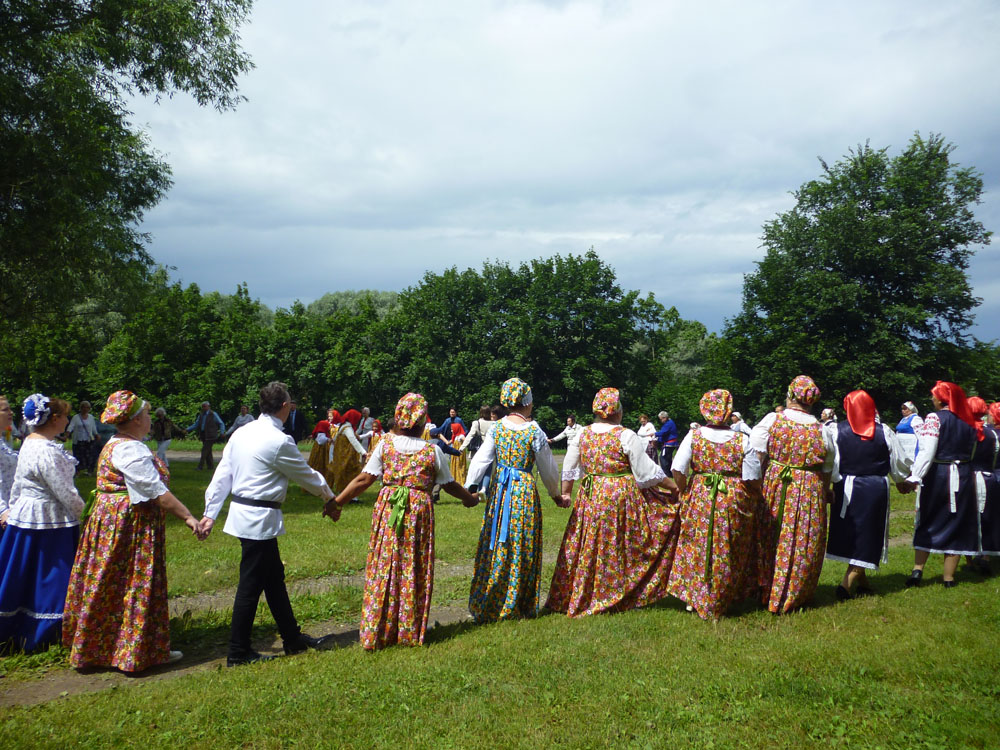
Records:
x=34, y=574
x=859, y=530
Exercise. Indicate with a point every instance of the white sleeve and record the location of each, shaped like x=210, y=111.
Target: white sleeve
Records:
x=927, y=440
x=289, y=461
x=751, y=461
x=832, y=452
x=220, y=486
x=352, y=438
x=572, y=463
x=467, y=443
x=761, y=432
x=646, y=472
x=374, y=465
x=443, y=464
x=560, y=436
x=546, y=463
x=896, y=465
x=682, y=458
x=58, y=475
x=481, y=461
x=133, y=459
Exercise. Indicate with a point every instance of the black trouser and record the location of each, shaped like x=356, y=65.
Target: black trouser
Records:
x=666, y=457
x=84, y=453
x=206, y=459
x=261, y=569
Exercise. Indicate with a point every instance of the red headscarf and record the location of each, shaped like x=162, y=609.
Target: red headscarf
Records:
x=335, y=417
x=377, y=427
x=457, y=430
x=995, y=413
x=977, y=406
x=353, y=416
x=860, y=408
x=954, y=398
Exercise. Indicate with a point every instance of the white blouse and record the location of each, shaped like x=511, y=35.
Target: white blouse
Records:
x=646, y=471
x=647, y=432
x=896, y=464
x=406, y=444
x=571, y=433
x=762, y=430
x=927, y=442
x=544, y=460
x=8, y=467
x=479, y=427
x=135, y=463
x=43, y=495
x=717, y=435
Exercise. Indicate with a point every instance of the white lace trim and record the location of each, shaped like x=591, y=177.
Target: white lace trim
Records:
x=34, y=615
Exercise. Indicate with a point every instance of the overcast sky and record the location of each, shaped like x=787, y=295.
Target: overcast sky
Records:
x=384, y=139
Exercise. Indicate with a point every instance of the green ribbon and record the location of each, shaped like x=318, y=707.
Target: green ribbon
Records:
x=88, y=506
x=786, y=477
x=717, y=483
x=587, y=483
x=400, y=499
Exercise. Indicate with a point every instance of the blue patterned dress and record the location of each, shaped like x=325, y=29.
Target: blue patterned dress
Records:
x=506, y=581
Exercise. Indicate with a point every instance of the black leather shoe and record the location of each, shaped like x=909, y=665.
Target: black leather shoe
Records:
x=304, y=642
x=950, y=584
x=915, y=578
x=252, y=658
x=843, y=594
x=864, y=591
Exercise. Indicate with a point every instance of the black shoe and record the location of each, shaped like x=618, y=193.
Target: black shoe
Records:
x=864, y=591
x=843, y=594
x=981, y=565
x=251, y=658
x=914, y=580
x=304, y=642
x=950, y=584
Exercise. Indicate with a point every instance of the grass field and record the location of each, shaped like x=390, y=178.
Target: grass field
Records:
x=905, y=669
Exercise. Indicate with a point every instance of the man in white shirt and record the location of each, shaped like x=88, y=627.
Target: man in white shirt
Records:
x=257, y=463
x=83, y=432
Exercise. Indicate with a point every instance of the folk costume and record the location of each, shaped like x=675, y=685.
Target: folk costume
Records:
x=867, y=456
x=37, y=548
x=989, y=517
x=571, y=468
x=791, y=532
x=257, y=464
x=116, y=607
x=947, y=519
x=506, y=579
x=320, y=451
x=347, y=451
x=399, y=572
x=906, y=434
x=459, y=464
x=715, y=547
x=619, y=543
x=984, y=468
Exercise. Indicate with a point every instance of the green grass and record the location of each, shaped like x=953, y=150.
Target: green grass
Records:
x=905, y=669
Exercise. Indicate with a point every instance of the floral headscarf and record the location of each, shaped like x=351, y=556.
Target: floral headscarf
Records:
x=803, y=390
x=716, y=406
x=515, y=392
x=606, y=402
x=410, y=411
x=122, y=406
x=36, y=409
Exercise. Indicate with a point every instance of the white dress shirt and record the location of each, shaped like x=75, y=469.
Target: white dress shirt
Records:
x=645, y=470
x=544, y=460
x=256, y=464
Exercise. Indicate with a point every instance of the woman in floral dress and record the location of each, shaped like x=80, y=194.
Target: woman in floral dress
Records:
x=619, y=543
x=399, y=574
x=791, y=533
x=715, y=545
x=506, y=579
x=116, y=605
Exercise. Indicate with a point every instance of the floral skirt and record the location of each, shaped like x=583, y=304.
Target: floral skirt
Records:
x=617, y=551
x=116, y=606
x=399, y=574
x=714, y=549
x=506, y=578
x=791, y=548
x=35, y=565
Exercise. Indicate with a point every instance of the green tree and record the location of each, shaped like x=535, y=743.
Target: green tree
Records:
x=864, y=280
x=75, y=176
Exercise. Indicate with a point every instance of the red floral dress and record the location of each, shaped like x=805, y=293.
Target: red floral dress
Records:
x=791, y=535
x=399, y=574
x=619, y=544
x=715, y=544
x=116, y=605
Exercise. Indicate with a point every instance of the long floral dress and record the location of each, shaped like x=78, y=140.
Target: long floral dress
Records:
x=715, y=545
x=619, y=543
x=791, y=535
x=506, y=580
x=399, y=574
x=116, y=606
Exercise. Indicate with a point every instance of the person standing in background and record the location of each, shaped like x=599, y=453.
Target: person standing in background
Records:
x=666, y=438
x=208, y=426
x=365, y=427
x=245, y=417
x=295, y=425
x=83, y=433
x=164, y=431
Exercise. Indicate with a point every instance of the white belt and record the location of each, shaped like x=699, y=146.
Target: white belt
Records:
x=980, y=489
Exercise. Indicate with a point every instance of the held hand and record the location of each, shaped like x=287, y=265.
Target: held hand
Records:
x=905, y=488
x=472, y=504
x=192, y=523
x=331, y=509
x=567, y=500
x=3, y=518
x=206, y=524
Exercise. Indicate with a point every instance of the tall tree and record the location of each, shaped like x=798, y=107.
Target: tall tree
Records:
x=864, y=278
x=75, y=176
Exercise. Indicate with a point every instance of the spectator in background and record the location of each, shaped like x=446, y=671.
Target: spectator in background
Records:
x=666, y=437
x=295, y=425
x=163, y=431
x=83, y=433
x=209, y=427
x=737, y=424
x=365, y=427
x=453, y=419
x=245, y=417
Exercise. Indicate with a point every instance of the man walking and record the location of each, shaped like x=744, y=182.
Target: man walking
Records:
x=255, y=469
x=666, y=437
x=209, y=426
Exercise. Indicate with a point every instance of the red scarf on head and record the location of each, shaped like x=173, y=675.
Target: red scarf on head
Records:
x=954, y=398
x=354, y=417
x=457, y=430
x=336, y=419
x=860, y=408
x=977, y=406
x=376, y=427
x=995, y=413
